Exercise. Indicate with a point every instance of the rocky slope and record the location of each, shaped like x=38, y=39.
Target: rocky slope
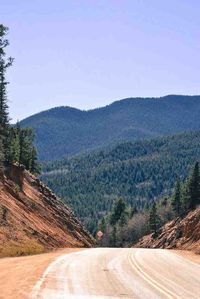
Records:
x=180, y=234
x=33, y=219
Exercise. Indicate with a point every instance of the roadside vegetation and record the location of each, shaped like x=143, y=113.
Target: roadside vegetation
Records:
x=16, y=144
x=140, y=172
x=125, y=225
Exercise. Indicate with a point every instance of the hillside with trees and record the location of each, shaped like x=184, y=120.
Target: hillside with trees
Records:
x=65, y=131
x=166, y=221
x=139, y=172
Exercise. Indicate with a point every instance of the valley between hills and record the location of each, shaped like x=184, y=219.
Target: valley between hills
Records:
x=100, y=204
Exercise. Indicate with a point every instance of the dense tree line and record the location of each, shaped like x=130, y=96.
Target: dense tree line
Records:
x=133, y=223
x=187, y=194
x=16, y=144
x=21, y=149
x=124, y=225
x=136, y=171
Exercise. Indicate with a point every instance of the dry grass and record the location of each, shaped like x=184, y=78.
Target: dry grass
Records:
x=12, y=250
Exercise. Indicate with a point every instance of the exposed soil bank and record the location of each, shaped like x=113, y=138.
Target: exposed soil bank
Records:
x=33, y=219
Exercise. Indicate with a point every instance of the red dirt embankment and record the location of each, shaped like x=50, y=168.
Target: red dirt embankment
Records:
x=179, y=233
x=33, y=219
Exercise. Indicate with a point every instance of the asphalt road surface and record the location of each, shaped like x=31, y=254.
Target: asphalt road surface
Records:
x=109, y=273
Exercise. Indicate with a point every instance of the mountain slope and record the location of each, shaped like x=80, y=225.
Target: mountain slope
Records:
x=137, y=171
x=33, y=219
x=67, y=131
x=179, y=233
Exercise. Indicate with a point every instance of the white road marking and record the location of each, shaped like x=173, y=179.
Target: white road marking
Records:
x=38, y=286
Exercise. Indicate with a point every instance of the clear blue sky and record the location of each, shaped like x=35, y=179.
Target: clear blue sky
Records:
x=89, y=53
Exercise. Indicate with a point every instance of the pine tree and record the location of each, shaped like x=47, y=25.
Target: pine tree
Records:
x=5, y=63
x=16, y=144
x=146, y=206
x=21, y=148
x=133, y=210
x=176, y=200
x=34, y=167
x=1, y=156
x=185, y=198
x=113, y=237
x=28, y=153
x=13, y=152
x=102, y=225
x=194, y=187
x=123, y=220
x=118, y=210
x=153, y=219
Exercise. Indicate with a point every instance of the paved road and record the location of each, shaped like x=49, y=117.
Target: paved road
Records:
x=108, y=273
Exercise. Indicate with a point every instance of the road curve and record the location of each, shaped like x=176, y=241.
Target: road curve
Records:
x=109, y=273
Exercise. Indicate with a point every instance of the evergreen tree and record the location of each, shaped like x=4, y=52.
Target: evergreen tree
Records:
x=5, y=63
x=28, y=153
x=185, y=197
x=118, y=210
x=133, y=210
x=16, y=144
x=102, y=225
x=13, y=152
x=21, y=149
x=34, y=167
x=164, y=202
x=113, y=237
x=147, y=206
x=153, y=219
x=176, y=200
x=1, y=156
x=123, y=218
x=194, y=187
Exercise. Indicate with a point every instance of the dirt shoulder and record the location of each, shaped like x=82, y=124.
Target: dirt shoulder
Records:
x=18, y=275
x=190, y=255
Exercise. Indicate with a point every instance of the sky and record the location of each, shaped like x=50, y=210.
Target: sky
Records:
x=87, y=53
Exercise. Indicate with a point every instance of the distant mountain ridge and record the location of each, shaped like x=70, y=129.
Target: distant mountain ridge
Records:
x=66, y=131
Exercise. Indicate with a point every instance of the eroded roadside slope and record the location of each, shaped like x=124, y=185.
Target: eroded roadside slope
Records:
x=179, y=234
x=33, y=219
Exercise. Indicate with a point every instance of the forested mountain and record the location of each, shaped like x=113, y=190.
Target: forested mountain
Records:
x=65, y=131
x=136, y=171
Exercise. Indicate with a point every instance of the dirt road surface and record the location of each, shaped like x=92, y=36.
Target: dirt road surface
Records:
x=18, y=275
x=106, y=273
x=101, y=273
